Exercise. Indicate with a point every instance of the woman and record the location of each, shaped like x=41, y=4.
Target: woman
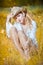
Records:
x=22, y=32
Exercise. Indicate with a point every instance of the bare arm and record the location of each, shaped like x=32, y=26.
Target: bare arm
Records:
x=24, y=43
x=14, y=37
x=29, y=17
x=23, y=39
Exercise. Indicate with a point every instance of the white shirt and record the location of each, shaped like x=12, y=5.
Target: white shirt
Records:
x=18, y=26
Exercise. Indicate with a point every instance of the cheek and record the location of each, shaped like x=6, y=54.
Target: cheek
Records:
x=19, y=18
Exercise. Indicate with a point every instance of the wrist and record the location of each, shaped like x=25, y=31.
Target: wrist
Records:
x=8, y=19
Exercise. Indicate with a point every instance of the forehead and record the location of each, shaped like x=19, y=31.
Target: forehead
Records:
x=21, y=13
x=18, y=15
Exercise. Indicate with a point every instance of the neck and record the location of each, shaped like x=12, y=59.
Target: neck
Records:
x=23, y=23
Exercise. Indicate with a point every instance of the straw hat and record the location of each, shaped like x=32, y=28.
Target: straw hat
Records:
x=16, y=10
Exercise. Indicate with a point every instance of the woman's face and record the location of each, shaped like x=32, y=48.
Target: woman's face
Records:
x=20, y=18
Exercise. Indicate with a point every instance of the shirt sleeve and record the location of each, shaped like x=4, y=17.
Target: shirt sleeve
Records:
x=8, y=27
x=33, y=31
x=18, y=26
x=34, y=26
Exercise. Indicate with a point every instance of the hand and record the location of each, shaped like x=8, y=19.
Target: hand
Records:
x=10, y=16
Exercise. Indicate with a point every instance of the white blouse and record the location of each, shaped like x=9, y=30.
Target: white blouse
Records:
x=18, y=26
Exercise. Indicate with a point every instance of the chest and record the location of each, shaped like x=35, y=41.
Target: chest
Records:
x=27, y=28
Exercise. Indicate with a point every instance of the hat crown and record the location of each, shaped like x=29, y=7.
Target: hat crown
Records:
x=15, y=10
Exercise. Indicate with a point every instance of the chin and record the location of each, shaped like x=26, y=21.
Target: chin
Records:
x=21, y=22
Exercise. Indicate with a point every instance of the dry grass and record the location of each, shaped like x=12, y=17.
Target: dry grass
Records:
x=8, y=54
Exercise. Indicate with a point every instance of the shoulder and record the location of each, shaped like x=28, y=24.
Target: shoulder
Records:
x=18, y=26
x=34, y=24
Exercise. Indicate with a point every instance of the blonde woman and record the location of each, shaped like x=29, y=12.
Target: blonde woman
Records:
x=22, y=32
